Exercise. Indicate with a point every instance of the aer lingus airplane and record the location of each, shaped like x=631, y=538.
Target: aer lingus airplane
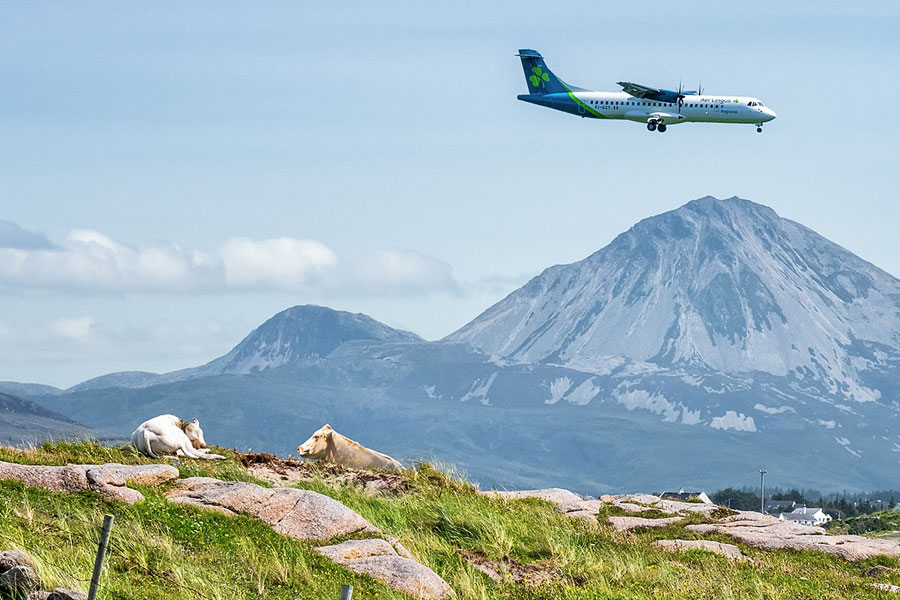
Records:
x=657, y=108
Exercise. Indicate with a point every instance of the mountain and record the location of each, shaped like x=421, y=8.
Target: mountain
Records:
x=297, y=333
x=697, y=347
x=27, y=389
x=720, y=285
x=25, y=422
x=302, y=332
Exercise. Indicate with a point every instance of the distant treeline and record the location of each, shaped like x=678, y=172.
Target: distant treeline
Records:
x=839, y=505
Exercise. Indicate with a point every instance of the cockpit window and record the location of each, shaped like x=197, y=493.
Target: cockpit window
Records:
x=760, y=103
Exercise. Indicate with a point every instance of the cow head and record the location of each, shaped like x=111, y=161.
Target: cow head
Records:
x=316, y=446
x=195, y=434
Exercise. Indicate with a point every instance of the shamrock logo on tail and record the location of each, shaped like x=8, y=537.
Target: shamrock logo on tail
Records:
x=540, y=78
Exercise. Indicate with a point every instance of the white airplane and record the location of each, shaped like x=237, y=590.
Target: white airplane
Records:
x=657, y=108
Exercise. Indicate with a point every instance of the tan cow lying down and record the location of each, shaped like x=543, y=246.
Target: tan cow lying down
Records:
x=167, y=435
x=328, y=445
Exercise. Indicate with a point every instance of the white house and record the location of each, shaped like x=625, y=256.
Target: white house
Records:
x=806, y=515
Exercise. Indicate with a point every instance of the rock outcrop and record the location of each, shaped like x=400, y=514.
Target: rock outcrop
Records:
x=19, y=579
x=108, y=479
x=58, y=594
x=629, y=523
x=748, y=527
x=573, y=505
x=566, y=502
x=646, y=502
x=307, y=515
x=379, y=559
x=299, y=514
x=762, y=531
x=727, y=550
x=280, y=471
x=14, y=558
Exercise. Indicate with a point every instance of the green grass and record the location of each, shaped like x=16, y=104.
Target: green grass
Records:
x=879, y=522
x=164, y=550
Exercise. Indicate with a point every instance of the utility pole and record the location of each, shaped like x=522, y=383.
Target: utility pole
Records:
x=762, y=491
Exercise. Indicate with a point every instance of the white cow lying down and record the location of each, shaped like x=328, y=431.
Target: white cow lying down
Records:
x=328, y=445
x=168, y=435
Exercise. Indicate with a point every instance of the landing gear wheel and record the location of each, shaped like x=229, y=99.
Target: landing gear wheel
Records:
x=661, y=128
x=759, y=130
x=651, y=126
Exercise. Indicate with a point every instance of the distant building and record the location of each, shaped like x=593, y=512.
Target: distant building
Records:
x=683, y=496
x=806, y=515
x=799, y=519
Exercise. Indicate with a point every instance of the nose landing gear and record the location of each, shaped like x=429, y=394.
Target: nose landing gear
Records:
x=759, y=128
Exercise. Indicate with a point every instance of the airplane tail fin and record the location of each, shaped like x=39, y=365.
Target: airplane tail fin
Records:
x=539, y=78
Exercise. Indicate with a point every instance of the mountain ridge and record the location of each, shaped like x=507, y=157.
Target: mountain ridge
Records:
x=700, y=344
x=295, y=333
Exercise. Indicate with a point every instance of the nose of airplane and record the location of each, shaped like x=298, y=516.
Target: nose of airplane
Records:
x=770, y=114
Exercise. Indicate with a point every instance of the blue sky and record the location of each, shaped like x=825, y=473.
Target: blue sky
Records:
x=191, y=169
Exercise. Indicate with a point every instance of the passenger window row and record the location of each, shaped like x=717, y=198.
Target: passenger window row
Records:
x=621, y=103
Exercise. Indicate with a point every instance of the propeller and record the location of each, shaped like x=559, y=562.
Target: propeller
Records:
x=680, y=96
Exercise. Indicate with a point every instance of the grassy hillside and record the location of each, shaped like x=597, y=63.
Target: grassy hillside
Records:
x=885, y=521
x=163, y=550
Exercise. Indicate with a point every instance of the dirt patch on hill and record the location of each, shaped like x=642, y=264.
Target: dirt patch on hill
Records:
x=286, y=471
x=509, y=570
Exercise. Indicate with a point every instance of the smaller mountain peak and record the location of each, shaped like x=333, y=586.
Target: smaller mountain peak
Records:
x=301, y=332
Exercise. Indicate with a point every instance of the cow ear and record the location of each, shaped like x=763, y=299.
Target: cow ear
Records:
x=327, y=427
x=196, y=422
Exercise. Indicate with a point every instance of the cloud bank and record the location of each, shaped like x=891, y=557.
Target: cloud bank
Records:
x=88, y=260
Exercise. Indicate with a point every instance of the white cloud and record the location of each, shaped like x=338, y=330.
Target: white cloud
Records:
x=389, y=270
x=281, y=262
x=76, y=328
x=88, y=260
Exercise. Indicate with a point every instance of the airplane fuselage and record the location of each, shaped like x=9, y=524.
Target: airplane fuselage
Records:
x=695, y=108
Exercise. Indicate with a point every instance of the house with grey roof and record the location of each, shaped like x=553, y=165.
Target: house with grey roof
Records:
x=806, y=515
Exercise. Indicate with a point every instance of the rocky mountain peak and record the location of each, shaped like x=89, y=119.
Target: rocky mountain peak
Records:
x=722, y=284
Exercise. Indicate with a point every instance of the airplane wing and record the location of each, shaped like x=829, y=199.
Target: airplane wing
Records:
x=637, y=90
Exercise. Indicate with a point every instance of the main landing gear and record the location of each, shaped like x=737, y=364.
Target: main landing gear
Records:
x=654, y=125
